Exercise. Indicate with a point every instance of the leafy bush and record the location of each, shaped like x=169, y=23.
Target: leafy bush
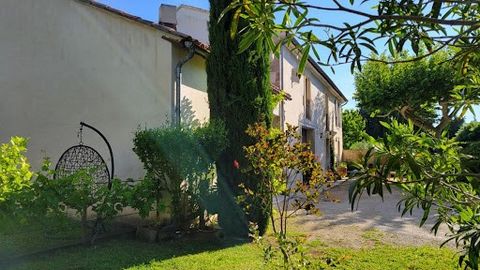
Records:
x=471, y=161
x=42, y=198
x=179, y=161
x=293, y=177
x=353, y=127
x=469, y=137
x=47, y=198
x=362, y=145
x=15, y=171
x=429, y=171
x=147, y=196
x=469, y=132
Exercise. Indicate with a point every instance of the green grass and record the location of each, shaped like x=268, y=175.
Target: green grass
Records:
x=208, y=254
x=205, y=253
x=373, y=235
x=382, y=257
x=17, y=238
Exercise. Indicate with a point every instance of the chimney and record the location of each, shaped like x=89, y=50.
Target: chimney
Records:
x=168, y=16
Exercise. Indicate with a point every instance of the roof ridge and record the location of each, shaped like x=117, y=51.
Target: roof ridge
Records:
x=140, y=20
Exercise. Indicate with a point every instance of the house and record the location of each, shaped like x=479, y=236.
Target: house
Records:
x=67, y=61
x=314, y=101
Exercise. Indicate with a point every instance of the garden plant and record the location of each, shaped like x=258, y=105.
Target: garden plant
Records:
x=429, y=171
x=179, y=163
x=283, y=162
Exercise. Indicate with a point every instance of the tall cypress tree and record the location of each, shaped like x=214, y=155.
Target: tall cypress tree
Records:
x=239, y=94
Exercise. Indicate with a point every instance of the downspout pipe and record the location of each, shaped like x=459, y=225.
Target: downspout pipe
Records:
x=282, y=103
x=178, y=78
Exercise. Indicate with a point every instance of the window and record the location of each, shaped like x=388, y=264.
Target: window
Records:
x=275, y=72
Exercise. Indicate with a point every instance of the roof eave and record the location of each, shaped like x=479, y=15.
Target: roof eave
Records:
x=176, y=36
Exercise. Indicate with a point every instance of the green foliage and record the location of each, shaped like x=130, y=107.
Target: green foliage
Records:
x=353, y=126
x=287, y=252
x=469, y=137
x=471, y=158
x=429, y=171
x=239, y=94
x=398, y=25
x=178, y=161
x=15, y=171
x=148, y=195
x=421, y=91
x=47, y=199
x=362, y=145
x=79, y=192
x=283, y=162
x=469, y=132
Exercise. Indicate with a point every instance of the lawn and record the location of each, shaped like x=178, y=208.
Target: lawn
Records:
x=204, y=252
x=207, y=254
x=17, y=238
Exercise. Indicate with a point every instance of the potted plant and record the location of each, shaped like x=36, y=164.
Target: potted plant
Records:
x=342, y=169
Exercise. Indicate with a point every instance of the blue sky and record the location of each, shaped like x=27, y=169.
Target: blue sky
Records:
x=148, y=9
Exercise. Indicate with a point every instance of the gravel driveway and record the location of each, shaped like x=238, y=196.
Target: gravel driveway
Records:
x=374, y=222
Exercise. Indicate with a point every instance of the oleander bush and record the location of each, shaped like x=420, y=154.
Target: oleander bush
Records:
x=469, y=138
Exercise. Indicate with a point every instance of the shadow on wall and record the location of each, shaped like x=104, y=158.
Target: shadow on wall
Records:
x=188, y=114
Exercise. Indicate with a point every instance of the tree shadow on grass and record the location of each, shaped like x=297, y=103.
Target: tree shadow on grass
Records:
x=126, y=253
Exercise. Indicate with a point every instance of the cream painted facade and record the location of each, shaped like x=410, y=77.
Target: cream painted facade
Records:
x=67, y=61
x=320, y=116
x=324, y=124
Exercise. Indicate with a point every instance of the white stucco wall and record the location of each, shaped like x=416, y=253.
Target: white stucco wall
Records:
x=295, y=109
x=62, y=62
x=193, y=22
x=336, y=125
x=194, y=104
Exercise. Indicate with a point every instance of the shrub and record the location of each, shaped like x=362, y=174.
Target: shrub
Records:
x=179, y=161
x=46, y=199
x=78, y=192
x=472, y=160
x=15, y=171
x=148, y=196
x=469, y=132
x=283, y=163
x=469, y=137
x=431, y=175
x=362, y=145
x=353, y=127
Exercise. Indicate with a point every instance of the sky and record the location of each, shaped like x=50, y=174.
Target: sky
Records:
x=149, y=9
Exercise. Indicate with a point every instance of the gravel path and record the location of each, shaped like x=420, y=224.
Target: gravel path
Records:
x=374, y=222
